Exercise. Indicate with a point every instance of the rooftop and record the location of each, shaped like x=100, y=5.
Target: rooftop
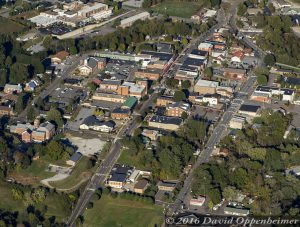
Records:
x=249, y=108
x=207, y=83
x=166, y=120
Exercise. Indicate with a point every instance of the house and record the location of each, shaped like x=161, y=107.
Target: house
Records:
x=211, y=99
x=206, y=86
x=91, y=65
x=208, y=47
x=237, y=122
x=141, y=186
x=163, y=122
x=12, y=88
x=59, y=57
x=120, y=113
x=31, y=86
x=20, y=128
x=294, y=170
x=151, y=134
x=74, y=159
x=168, y=186
x=6, y=111
x=260, y=97
x=234, y=74
x=177, y=109
x=225, y=91
x=117, y=180
x=198, y=54
x=237, y=56
x=264, y=93
x=148, y=73
x=164, y=101
x=236, y=211
x=199, y=201
x=250, y=110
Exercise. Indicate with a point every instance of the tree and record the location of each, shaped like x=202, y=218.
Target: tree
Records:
x=3, y=77
x=31, y=113
x=242, y=9
x=185, y=84
x=55, y=150
x=269, y=60
x=54, y=115
x=262, y=75
x=184, y=115
x=18, y=73
x=184, y=41
x=20, y=104
x=179, y=96
x=215, y=195
x=262, y=79
x=122, y=47
x=208, y=72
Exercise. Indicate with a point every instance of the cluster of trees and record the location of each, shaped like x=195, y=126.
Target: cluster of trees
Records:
x=262, y=75
x=279, y=39
x=16, y=65
x=205, y=3
x=172, y=153
x=254, y=167
x=130, y=39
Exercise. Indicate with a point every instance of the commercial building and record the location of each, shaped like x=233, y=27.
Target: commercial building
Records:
x=206, y=87
x=198, y=54
x=264, y=94
x=199, y=201
x=250, y=110
x=90, y=65
x=110, y=85
x=74, y=159
x=168, y=186
x=130, y=20
x=141, y=186
x=12, y=88
x=237, y=122
x=211, y=99
x=164, y=100
x=234, y=74
x=120, y=113
x=167, y=123
x=93, y=123
x=236, y=211
x=148, y=73
x=109, y=97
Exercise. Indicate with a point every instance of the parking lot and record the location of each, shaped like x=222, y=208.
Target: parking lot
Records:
x=121, y=69
x=207, y=113
x=83, y=113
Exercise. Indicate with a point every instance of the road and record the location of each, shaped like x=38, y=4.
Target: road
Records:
x=221, y=128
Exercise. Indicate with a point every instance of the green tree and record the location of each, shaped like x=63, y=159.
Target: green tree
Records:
x=54, y=115
x=179, y=96
x=31, y=113
x=3, y=77
x=242, y=9
x=122, y=47
x=186, y=84
x=208, y=72
x=184, y=115
x=18, y=73
x=269, y=60
x=20, y=104
x=55, y=150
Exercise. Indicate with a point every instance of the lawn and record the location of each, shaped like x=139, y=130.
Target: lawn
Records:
x=55, y=205
x=9, y=26
x=78, y=176
x=177, y=8
x=132, y=160
x=121, y=212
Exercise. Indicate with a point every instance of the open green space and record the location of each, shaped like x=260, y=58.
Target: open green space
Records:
x=110, y=211
x=9, y=26
x=80, y=174
x=177, y=8
x=128, y=159
x=56, y=206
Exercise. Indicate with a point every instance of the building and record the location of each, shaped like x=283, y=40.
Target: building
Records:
x=177, y=109
x=168, y=186
x=184, y=75
x=206, y=87
x=237, y=56
x=12, y=89
x=117, y=180
x=163, y=122
x=206, y=47
x=148, y=73
x=130, y=20
x=260, y=97
x=132, y=89
x=236, y=211
x=198, y=54
x=234, y=74
x=109, y=97
x=92, y=123
x=91, y=65
x=164, y=101
x=237, y=122
x=130, y=103
x=26, y=136
x=31, y=86
x=249, y=110
x=199, y=201
x=151, y=134
x=211, y=99
x=38, y=136
x=120, y=113
x=225, y=91
x=264, y=94
x=141, y=186
x=48, y=128
x=110, y=85
x=74, y=159
x=6, y=111
x=59, y=57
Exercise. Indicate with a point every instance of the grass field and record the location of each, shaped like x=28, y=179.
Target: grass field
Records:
x=177, y=8
x=79, y=174
x=55, y=205
x=9, y=26
x=120, y=212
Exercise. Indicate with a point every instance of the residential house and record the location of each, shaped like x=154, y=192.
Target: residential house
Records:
x=93, y=123
x=208, y=47
x=198, y=54
x=31, y=86
x=163, y=122
x=59, y=57
x=237, y=56
x=74, y=159
x=118, y=176
x=151, y=134
x=177, y=109
x=141, y=186
x=225, y=91
x=236, y=211
x=12, y=88
x=6, y=111
x=168, y=186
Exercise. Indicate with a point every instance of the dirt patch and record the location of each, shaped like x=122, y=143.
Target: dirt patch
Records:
x=23, y=179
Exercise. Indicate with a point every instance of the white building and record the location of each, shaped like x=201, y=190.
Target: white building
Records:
x=130, y=20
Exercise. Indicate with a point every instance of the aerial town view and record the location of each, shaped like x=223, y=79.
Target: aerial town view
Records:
x=151, y=113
